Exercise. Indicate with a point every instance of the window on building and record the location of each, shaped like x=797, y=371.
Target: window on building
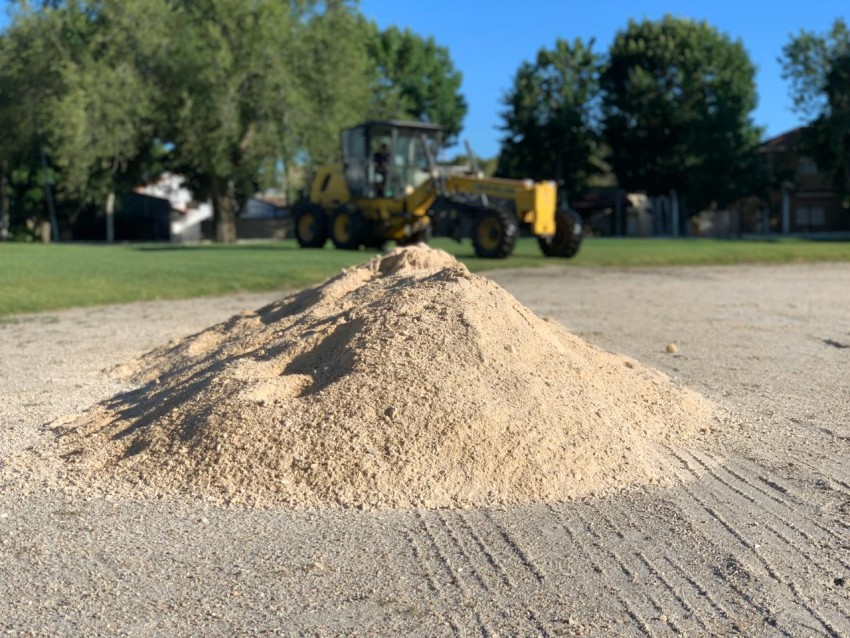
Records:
x=810, y=216
x=807, y=166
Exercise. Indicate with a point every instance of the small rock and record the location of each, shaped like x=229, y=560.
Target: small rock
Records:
x=390, y=412
x=672, y=348
x=663, y=618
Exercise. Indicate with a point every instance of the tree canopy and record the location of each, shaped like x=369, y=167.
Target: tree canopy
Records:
x=225, y=92
x=818, y=69
x=415, y=78
x=677, y=98
x=551, y=117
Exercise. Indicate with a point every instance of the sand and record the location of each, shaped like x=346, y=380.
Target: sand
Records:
x=404, y=382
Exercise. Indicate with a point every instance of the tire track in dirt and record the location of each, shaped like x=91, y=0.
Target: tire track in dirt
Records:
x=722, y=501
x=737, y=571
x=406, y=552
x=613, y=585
x=516, y=560
x=465, y=574
x=634, y=561
x=489, y=554
x=452, y=596
x=821, y=466
x=652, y=572
x=722, y=496
x=790, y=517
x=650, y=611
x=791, y=499
x=492, y=580
x=523, y=558
x=699, y=588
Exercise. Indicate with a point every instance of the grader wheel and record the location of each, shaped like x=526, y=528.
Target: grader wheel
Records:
x=495, y=234
x=311, y=225
x=568, y=236
x=346, y=228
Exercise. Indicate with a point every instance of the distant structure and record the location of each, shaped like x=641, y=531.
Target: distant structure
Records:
x=805, y=197
x=185, y=213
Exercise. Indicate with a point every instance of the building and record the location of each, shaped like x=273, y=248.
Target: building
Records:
x=804, y=199
x=186, y=214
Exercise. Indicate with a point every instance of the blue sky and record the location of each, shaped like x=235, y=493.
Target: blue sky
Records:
x=489, y=40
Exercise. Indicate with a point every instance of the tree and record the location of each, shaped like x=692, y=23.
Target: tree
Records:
x=226, y=71
x=416, y=79
x=29, y=82
x=807, y=61
x=236, y=92
x=677, y=101
x=335, y=73
x=551, y=119
x=75, y=97
x=105, y=117
x=818, y=69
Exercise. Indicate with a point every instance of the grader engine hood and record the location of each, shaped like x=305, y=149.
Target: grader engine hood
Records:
x=534, y=202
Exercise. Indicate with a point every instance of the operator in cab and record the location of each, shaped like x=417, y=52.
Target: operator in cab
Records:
x=381, y=162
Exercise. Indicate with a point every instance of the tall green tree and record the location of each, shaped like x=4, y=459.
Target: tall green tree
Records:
x=105, y=117
x=227, y=72
x=29, y=85
x=75, y=97
x=551, y=117
x=818, y=69
x=416, y=78
x=335, y=74
x=678, y=96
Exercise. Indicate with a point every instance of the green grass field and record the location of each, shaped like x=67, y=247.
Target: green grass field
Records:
x=36, y=277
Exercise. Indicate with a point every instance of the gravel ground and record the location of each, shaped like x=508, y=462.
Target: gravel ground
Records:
x=754, y=541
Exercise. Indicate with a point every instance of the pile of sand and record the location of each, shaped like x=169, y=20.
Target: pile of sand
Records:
x=406, y=381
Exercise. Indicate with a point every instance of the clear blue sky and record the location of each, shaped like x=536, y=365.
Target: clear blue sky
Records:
x=489, y=40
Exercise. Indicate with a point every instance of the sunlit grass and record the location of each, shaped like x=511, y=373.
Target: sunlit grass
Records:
x=38, y=277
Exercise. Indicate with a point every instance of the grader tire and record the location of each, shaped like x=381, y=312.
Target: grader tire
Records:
x=311, y=225
x=346, y=228
x=494, y=235
x=568, y=236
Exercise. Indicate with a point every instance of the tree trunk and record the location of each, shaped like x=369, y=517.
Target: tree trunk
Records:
x=224, y=210
x=4, y=201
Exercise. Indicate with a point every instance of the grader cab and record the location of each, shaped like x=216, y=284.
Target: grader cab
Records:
x=389, y=188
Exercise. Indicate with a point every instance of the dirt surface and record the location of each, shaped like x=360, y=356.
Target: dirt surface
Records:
x=755, y=542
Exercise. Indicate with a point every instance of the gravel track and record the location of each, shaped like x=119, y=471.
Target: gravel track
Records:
x=755, y=541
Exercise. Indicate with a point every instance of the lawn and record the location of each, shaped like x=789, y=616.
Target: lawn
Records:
x=36, y=277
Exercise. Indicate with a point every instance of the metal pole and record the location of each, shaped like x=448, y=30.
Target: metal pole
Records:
x=48, y=193
x=110, y=218
x=473, y=164
x=674, y=212
x=4, y=201
x=786, y=210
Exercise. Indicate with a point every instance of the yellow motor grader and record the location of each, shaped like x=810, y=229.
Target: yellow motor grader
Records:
x=389, y=187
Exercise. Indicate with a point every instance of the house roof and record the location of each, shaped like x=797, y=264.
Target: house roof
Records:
x=427, y=126
x=782, y=142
